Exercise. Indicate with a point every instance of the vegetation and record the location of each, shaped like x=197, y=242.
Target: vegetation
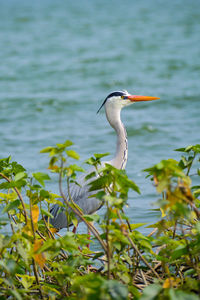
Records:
x=36, y=262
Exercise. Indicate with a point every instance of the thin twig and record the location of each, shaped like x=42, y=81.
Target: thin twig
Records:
x=143, y=277
x=174, y=231
x=138, y=252
x=31, y=216
x=156, y=266
x=11, y=225
x=42, y=237
x=190, y=165
x=151, y=233
x=37, y=278
x=48, y=230
x=107, y=240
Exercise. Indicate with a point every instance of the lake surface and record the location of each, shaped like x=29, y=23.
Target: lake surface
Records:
x=60, y=59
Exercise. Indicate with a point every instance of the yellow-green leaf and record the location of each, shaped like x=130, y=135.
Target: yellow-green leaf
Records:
x=73, y=154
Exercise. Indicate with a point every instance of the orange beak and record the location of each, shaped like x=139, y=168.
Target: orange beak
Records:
x=136, y=98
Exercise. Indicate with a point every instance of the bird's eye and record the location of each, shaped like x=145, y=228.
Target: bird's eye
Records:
x=123, y=97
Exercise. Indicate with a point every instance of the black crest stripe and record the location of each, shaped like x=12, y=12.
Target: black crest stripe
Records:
x=113, y=94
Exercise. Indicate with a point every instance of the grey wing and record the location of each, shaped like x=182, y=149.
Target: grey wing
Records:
x=81, y=196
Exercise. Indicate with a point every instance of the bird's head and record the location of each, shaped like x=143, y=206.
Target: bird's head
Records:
x=119, y=99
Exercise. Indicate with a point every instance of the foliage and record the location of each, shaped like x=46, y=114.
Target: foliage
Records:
x=36, y=262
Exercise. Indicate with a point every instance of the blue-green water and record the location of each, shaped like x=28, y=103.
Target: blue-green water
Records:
x=60, y=59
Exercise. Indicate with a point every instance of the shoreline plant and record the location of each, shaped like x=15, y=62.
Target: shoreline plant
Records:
x=36, y=262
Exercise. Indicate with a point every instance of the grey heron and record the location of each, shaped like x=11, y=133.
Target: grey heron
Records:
x=80, y=193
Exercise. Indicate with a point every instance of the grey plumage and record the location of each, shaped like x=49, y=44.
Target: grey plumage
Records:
x=80, y=193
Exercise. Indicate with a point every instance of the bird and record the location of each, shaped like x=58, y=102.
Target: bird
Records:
x=80, y=193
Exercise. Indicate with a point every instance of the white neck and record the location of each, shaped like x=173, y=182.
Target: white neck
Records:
x=113, y=116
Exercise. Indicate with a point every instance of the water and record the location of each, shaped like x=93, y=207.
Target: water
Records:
x=60, y=59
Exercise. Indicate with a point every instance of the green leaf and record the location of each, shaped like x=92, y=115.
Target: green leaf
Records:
x=90, y=161
x=151, y=291
x=137, y=225
x=97, y=255
x=145, y=244
x=46, y=213
x=91, y=175
x=180, y=149
x=180, y=251
x=100, y=195
x=133, y=186
x=20, y=175
x=6, y=185
x=100, y=183
x=41, y=177
x=195, y=148
x=181, y=295
x=53, y=160
x=44, y=194
x=92, y=218
x=73, y=154
x=68, y=143
x=76, y=168
x=16, y=168
x=116, y=290
x=11, y=205
x=15, y=294
x=99, y=156
x=5, y=160
x=189, y=272
x=51, y=287
x=22, y=251
x=46, y=150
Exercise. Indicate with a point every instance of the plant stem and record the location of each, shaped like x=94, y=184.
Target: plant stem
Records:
x=190, y=165
x=138, y=252
x=37, y=278
x=107, y=240
x=31, y=217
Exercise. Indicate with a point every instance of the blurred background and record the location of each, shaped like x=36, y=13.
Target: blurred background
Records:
x=60, y=59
